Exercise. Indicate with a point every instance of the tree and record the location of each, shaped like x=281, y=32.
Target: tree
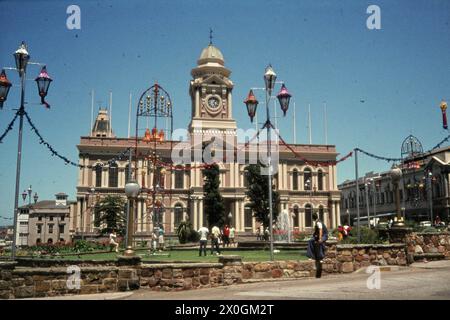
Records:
x=110, y=214
x=259, y=197
x=213, y=204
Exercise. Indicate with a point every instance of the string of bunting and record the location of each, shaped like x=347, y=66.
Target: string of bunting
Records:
x=440, y=143
x=65, y=159
x=311, y=162
x=10, y=126
x=400, y=159
x=378, y=157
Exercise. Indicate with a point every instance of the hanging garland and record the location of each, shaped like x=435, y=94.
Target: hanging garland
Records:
x=65, y=159
x=400, y=159
x=310, y=162
x=10, y=126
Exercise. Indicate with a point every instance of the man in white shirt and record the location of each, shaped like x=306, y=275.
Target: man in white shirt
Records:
x=215, y=236
x=203, y=231
x=232, y=235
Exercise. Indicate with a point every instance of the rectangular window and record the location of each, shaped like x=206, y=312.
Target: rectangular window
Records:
x=51, y=218
x=62, y=218
x=40, y=218
x=39, y=228
x=50, y=228
x=61, y=229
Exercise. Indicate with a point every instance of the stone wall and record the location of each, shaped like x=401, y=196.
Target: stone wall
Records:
x=431, y=244
x=277, y=269
x=344, y=258
x=49, y=278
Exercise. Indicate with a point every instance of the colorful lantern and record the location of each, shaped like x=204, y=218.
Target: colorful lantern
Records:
x=5, y=85
x=43, y=82
x=283, y=97
x=444, y=114
x=251, y=104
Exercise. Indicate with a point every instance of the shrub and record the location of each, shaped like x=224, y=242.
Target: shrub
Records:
x=368, y=236
x=187, y=233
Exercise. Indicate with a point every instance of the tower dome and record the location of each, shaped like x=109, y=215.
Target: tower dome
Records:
x=211, y=54
x=210, y=62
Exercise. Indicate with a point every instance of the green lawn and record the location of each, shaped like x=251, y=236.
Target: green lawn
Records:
x=190, y=255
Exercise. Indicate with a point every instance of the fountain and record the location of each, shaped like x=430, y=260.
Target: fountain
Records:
x=284, y=227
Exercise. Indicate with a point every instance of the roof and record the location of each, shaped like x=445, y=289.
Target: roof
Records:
x=46, y=204
x=211, y=54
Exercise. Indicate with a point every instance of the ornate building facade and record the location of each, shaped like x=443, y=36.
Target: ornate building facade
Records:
x=303, y=188
x=424, y=189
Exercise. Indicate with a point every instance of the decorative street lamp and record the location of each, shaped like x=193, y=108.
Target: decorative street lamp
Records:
x=283, y=96
x=43, y=82
x=132, y=190
x=251, y=104
x=21, y=57
x=35, y=197
x=396, y=174
x=5, y=85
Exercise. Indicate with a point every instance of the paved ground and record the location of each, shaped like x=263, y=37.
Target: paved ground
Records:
x=420, y=281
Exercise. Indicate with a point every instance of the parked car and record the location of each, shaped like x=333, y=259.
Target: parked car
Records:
x=425, y=224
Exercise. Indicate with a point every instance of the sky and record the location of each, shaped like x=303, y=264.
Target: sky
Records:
x=379, y=85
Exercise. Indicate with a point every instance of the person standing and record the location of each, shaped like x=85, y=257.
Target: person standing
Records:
x=154, y=245
x=232, y=236
x=215, y=236
x=203, y=231
x=226, y=236
x=316, y=245
x=113, y=240
x=161, y=239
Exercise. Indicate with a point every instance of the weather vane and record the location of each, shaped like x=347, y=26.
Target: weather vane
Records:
x=210, y=36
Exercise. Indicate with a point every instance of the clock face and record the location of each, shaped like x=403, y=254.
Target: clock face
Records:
x=213, y=103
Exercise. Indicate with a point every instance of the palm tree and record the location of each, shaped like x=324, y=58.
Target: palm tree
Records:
x=110, y=215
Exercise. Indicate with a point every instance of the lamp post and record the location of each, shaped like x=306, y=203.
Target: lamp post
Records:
x=28, y=193
x=22, y=58
x=429, y=177
x=396, y=174
x=366, y=189
x=252, y=104
x=132, y=190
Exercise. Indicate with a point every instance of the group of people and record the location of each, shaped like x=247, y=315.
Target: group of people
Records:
x=157, y=242
x=226, y=237
x=262, y=234
x=344, y=231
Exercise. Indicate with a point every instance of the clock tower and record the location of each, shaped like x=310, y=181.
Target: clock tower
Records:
x=210, y=91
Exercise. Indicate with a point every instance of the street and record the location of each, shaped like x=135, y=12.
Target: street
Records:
x=421, y=281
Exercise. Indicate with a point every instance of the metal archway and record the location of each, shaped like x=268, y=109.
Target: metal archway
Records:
x=154, y=105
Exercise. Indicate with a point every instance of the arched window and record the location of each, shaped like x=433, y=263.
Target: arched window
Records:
x=307, y=178
x=295, y=179
x=320, y=180
x=245, y=178
x=179, y=179
x=308, y=216
x=113, y=176
x=127, y=173
x=50, y=241
x=177, y=215
x=295, y=216
x=98, y=176
x=38, y=241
